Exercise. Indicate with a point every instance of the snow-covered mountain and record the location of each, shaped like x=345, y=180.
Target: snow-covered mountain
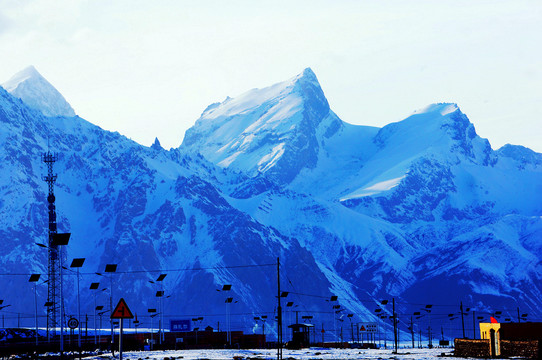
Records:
x=36, y=92
x=381, y=204
x=422, y=210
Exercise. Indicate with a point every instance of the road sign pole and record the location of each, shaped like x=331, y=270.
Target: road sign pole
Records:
x=120, y=338
x=121, y=312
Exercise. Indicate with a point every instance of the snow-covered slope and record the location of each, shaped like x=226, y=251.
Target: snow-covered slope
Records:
x=146, y=209
x=268, y=132
x=422, y=209
x=32, y=88
x=412, y=185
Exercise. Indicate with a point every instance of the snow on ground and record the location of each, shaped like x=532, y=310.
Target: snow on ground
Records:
x=313, y=353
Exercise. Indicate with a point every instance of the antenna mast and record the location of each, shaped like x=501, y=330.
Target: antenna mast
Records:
x=53, y=266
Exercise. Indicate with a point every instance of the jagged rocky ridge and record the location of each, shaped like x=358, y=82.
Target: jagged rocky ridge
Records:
x=423, y=209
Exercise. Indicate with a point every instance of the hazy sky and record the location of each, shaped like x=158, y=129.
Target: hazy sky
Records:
x=149, y=68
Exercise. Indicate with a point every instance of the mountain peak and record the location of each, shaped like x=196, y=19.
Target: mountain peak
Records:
x=439, y=108
x=271, y=130
x=36, y=92
x=27, y=73
x=156, y=145
x=307, y=75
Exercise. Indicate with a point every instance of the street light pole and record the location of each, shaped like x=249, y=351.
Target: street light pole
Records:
x=152, y=313
x=394, y=327
x=61, y=309
x=462, y=319
x=334, y=308
x=228, y=335
x=159, y=295
x=95, y=286
x=430, y=332
x=35, y=278
x=196, y=320
x=78, y=263
x=78, y=313
x=111, y=268
x=98, y=308
x=160, y=279
x=279, y=314
x=349, y=316
x=228, y=301
x=61, y=240
x=36, y=308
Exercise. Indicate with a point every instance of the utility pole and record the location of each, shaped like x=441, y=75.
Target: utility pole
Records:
x=395, y=326
x=279, y=315
x=412, y=331
x=519, y=319
x=462, y=319
x=473, y=325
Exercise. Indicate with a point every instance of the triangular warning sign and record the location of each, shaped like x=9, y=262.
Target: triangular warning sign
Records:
x=362, y=328
x=122, y=311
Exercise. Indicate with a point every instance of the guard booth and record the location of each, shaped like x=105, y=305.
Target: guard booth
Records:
x=300, y=336
x=491, y=332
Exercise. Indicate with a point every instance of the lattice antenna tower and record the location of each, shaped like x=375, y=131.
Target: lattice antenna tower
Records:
x=53, y=265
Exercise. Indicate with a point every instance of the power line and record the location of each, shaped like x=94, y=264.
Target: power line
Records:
x=150, y=271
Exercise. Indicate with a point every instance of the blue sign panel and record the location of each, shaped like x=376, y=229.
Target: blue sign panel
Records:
x=180, y=325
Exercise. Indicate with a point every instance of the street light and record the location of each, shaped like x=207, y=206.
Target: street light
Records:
x=35, y=278
x=136, y=324
x=195, y=320
x=289, y=310
x=430, y=333
x=228, y=301
x=337, y=309
x=111, y=268
x=95, y=286
x=61, y=240
x=333, y=299
x=159, y=295
x=379, y=316
x=153, y=314
x=160, y=279
x=262, y=318
x=99, y=308
x=349, y=316
x=78, y=263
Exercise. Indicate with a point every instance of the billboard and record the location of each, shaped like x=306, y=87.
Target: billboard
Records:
x=180, y=325
x=368, y=327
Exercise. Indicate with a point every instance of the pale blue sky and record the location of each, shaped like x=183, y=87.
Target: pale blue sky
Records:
x=149, y=68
